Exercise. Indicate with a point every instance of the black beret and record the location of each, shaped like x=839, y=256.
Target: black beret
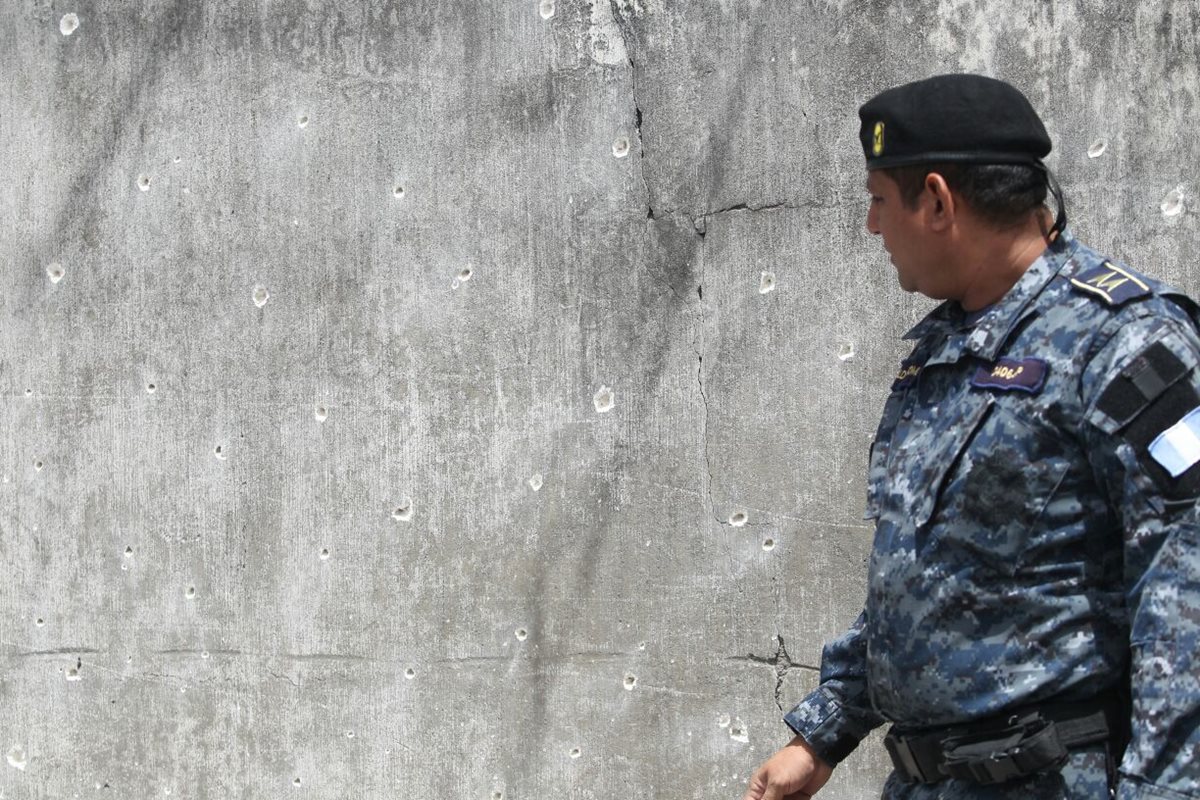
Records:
x=955, y=118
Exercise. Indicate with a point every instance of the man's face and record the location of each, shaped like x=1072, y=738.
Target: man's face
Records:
x=905, y=237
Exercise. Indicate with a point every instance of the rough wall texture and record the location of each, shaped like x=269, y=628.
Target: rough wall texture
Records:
x=311, y=313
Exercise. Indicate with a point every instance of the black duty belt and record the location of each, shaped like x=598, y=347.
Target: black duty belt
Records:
x=1003, y=748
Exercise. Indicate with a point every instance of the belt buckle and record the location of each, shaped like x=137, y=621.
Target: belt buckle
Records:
x=904, y=760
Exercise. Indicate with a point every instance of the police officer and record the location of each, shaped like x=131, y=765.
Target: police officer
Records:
x=1033, y=602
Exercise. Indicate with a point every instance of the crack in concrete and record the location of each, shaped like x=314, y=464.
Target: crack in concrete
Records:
x=700, y=221
x=624, y=26
x=781, y=662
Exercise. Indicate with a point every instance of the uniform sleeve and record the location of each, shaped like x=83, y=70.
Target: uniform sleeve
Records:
x=1143, y=395
x=837, y=715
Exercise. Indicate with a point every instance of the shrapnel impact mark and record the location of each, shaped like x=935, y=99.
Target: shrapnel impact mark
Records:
x=546, y=9
x=68, y=24
x=630, y=681
x=261, y=296
x=1098, y=147
x=766, y=283
x=620, y=147
x=16, y=757
x=320, y=413
x=604, y=400
x=56, y=272
x=846, y=352
x=143, y=182
x=738, y=519
x=404, y=511
x=1173, y=204
x=535, y=481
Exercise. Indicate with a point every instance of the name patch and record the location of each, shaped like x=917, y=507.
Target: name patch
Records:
x=1111, y=283
x=1025, y=374
x=907, y=376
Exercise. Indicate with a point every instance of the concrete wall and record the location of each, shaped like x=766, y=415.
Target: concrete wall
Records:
x=299, y=297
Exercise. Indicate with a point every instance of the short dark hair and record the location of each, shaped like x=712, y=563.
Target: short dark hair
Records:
x=1002, y=194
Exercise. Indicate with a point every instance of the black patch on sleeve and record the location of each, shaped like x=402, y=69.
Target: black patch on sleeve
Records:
x=1141, y=383
x=1165, y=410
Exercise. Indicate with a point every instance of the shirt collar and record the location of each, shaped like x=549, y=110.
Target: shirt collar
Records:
x=997, y=323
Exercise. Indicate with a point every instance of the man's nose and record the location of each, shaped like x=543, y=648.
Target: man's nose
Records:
x=872, y=220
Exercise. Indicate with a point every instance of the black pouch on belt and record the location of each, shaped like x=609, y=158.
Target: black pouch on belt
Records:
x=1027, y=747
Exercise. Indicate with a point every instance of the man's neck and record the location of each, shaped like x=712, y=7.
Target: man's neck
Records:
x=998, y=258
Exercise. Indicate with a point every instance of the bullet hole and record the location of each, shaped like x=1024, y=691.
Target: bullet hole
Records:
x=630, y=681
x=204, y=654
x=620, y=147
x=176, y=160
x=320, y=413
x=56, y=272
x=302, y=120
x=1172, y=204
x=16, y=757
x=29, y=392
x=768, y=544
x=846, y=353
x=738, y=732
x=219, y=453
x=324, y=553
x=129, y=552
x=522, y=634
x=190, y=593
x=1098, y=147
x=546, y=9
x=410, y=673
x=766, y=284
x=604, y=400
x=464, y=274
x=73, y=672
x=349, y=734
x=738, y=519
x=398, y=192
x=576, y=752
x=68, y=24
x=37, y=465
x=261, y=296
x=723, y=721
x=497, y=795
x=143, y=182
x=151, y=388
x=641, y=645
x=404, y=511
x=40, y=622
x=535, y=482
x=296, y=782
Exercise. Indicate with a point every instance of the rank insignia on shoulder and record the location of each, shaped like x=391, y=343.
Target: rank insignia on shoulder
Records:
x=1111, y=283
x=1023, y=374
x=909, y=370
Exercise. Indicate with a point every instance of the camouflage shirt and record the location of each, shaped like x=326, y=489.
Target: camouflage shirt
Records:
x=1032, y=484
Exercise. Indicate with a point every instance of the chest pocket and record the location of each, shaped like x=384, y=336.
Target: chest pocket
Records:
x=923, y=455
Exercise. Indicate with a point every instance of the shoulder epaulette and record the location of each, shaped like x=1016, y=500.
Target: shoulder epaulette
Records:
x=1112, y=284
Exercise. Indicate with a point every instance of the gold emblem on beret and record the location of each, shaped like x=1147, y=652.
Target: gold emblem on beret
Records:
x=877, y=148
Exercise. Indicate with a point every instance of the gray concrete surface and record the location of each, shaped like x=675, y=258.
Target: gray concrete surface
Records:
x=298, y=298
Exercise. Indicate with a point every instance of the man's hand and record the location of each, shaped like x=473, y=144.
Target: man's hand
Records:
x=794, y=773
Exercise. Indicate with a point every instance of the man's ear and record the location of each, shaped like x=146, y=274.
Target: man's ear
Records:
x=942, y=203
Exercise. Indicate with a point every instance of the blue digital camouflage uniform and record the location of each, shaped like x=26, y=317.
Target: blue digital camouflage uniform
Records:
x=1031, y=542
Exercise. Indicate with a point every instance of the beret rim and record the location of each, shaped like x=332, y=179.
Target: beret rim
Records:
x=950, y=156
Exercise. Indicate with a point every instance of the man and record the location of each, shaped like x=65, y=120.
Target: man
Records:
x=1033, y=601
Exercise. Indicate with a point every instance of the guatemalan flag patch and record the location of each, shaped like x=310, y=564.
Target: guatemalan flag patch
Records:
x=1021, y=374
x=1178, y=447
